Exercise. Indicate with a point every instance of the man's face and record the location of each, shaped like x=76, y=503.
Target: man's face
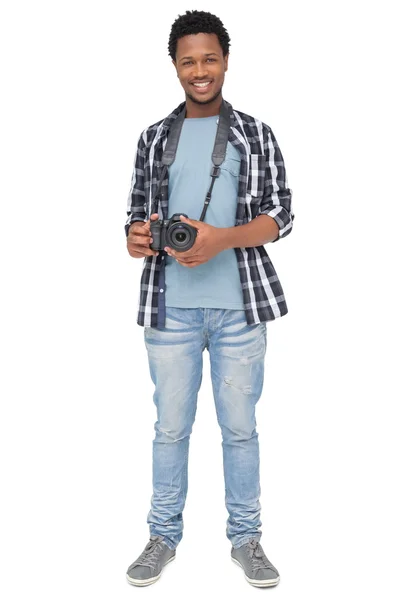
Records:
x=199, y=58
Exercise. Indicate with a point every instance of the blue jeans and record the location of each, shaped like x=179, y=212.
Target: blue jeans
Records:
x=175, y=354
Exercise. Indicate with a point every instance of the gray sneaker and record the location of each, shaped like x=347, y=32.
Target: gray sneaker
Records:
x=258, y=570
x=148, y=566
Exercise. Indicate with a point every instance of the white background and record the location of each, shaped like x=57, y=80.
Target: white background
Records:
x=80, y=81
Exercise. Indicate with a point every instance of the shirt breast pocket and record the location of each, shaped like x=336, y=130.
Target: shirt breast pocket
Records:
x=256, y=178
x=232, y=165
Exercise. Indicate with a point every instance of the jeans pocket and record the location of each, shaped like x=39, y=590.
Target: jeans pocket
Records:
x=177, y=315
x=147, y=331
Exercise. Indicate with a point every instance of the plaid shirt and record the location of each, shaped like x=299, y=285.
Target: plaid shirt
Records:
x=262, y=190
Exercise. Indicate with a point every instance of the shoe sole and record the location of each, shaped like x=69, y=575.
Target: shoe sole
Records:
x=143, y=582
x=257, y=582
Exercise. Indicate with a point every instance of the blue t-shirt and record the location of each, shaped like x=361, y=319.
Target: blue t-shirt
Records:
x=216, y=283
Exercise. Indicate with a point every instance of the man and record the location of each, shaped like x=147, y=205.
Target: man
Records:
x=218, y=294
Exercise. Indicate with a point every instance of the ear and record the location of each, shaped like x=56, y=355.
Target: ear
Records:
x=176, y=68
x=226, y=61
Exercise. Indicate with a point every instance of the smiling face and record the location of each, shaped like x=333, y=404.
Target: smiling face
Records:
x=201, y=67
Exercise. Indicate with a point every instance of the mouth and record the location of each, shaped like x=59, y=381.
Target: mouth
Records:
x=202, y=87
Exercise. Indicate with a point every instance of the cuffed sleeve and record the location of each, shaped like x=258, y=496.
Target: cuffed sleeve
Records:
x=136, y=204
x=277, y=198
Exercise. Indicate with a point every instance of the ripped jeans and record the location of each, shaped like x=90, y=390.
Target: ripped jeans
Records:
x=175, y=354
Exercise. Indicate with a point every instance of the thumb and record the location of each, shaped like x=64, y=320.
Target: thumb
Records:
x=153, y=217
x=192, y=222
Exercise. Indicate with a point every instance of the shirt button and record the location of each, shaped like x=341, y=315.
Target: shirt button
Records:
x=161, y=290
x=162, y=258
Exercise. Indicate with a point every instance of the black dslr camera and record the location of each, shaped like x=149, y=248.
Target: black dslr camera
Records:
x=173, y=233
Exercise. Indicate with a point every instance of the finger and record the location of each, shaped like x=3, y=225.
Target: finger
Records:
x=141, y=254
x=180, y=255
x=188, y=261
x=140, y=237
x=142, y=250
x=146, y=226
x=193, y=222
x=139, y=230
x=189, y=265
x=185, y=259
x=142, y=240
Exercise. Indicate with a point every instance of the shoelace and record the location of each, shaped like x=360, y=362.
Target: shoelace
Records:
x=150, y=554
x=257, y=556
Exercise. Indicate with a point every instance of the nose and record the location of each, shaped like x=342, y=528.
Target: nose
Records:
x=200, y=71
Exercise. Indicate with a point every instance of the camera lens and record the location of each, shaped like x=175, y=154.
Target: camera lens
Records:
x=181, y=236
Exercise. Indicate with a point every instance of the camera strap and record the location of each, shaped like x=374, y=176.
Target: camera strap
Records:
x=218, y=155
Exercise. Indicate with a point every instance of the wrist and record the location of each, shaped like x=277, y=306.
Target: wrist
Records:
x=226, y=238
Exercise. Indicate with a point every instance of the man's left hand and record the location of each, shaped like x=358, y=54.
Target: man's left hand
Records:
x=209, y=242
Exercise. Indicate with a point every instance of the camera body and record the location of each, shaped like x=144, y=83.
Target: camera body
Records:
x=173, y=233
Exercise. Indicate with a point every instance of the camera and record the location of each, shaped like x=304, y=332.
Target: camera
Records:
x=173, y=233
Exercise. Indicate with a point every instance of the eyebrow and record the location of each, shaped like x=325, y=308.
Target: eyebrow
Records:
x=209, y=54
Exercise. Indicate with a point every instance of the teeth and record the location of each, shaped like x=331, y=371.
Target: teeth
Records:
x=205, y=84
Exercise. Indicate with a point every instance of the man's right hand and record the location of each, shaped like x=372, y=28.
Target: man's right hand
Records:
x=138, y=240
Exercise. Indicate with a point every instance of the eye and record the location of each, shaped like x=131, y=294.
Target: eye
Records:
x=189, y=61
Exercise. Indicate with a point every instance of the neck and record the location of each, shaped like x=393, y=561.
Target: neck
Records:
x=195, y=110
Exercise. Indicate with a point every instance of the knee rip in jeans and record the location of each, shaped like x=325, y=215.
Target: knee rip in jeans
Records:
x=171, y=434
x=245, y=389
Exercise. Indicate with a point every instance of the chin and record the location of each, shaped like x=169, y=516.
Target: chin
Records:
x=206, y=101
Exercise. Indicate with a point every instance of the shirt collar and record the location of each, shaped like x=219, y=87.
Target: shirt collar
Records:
x=166, y=124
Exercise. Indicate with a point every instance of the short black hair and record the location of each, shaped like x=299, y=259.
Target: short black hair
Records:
x=197, y=21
